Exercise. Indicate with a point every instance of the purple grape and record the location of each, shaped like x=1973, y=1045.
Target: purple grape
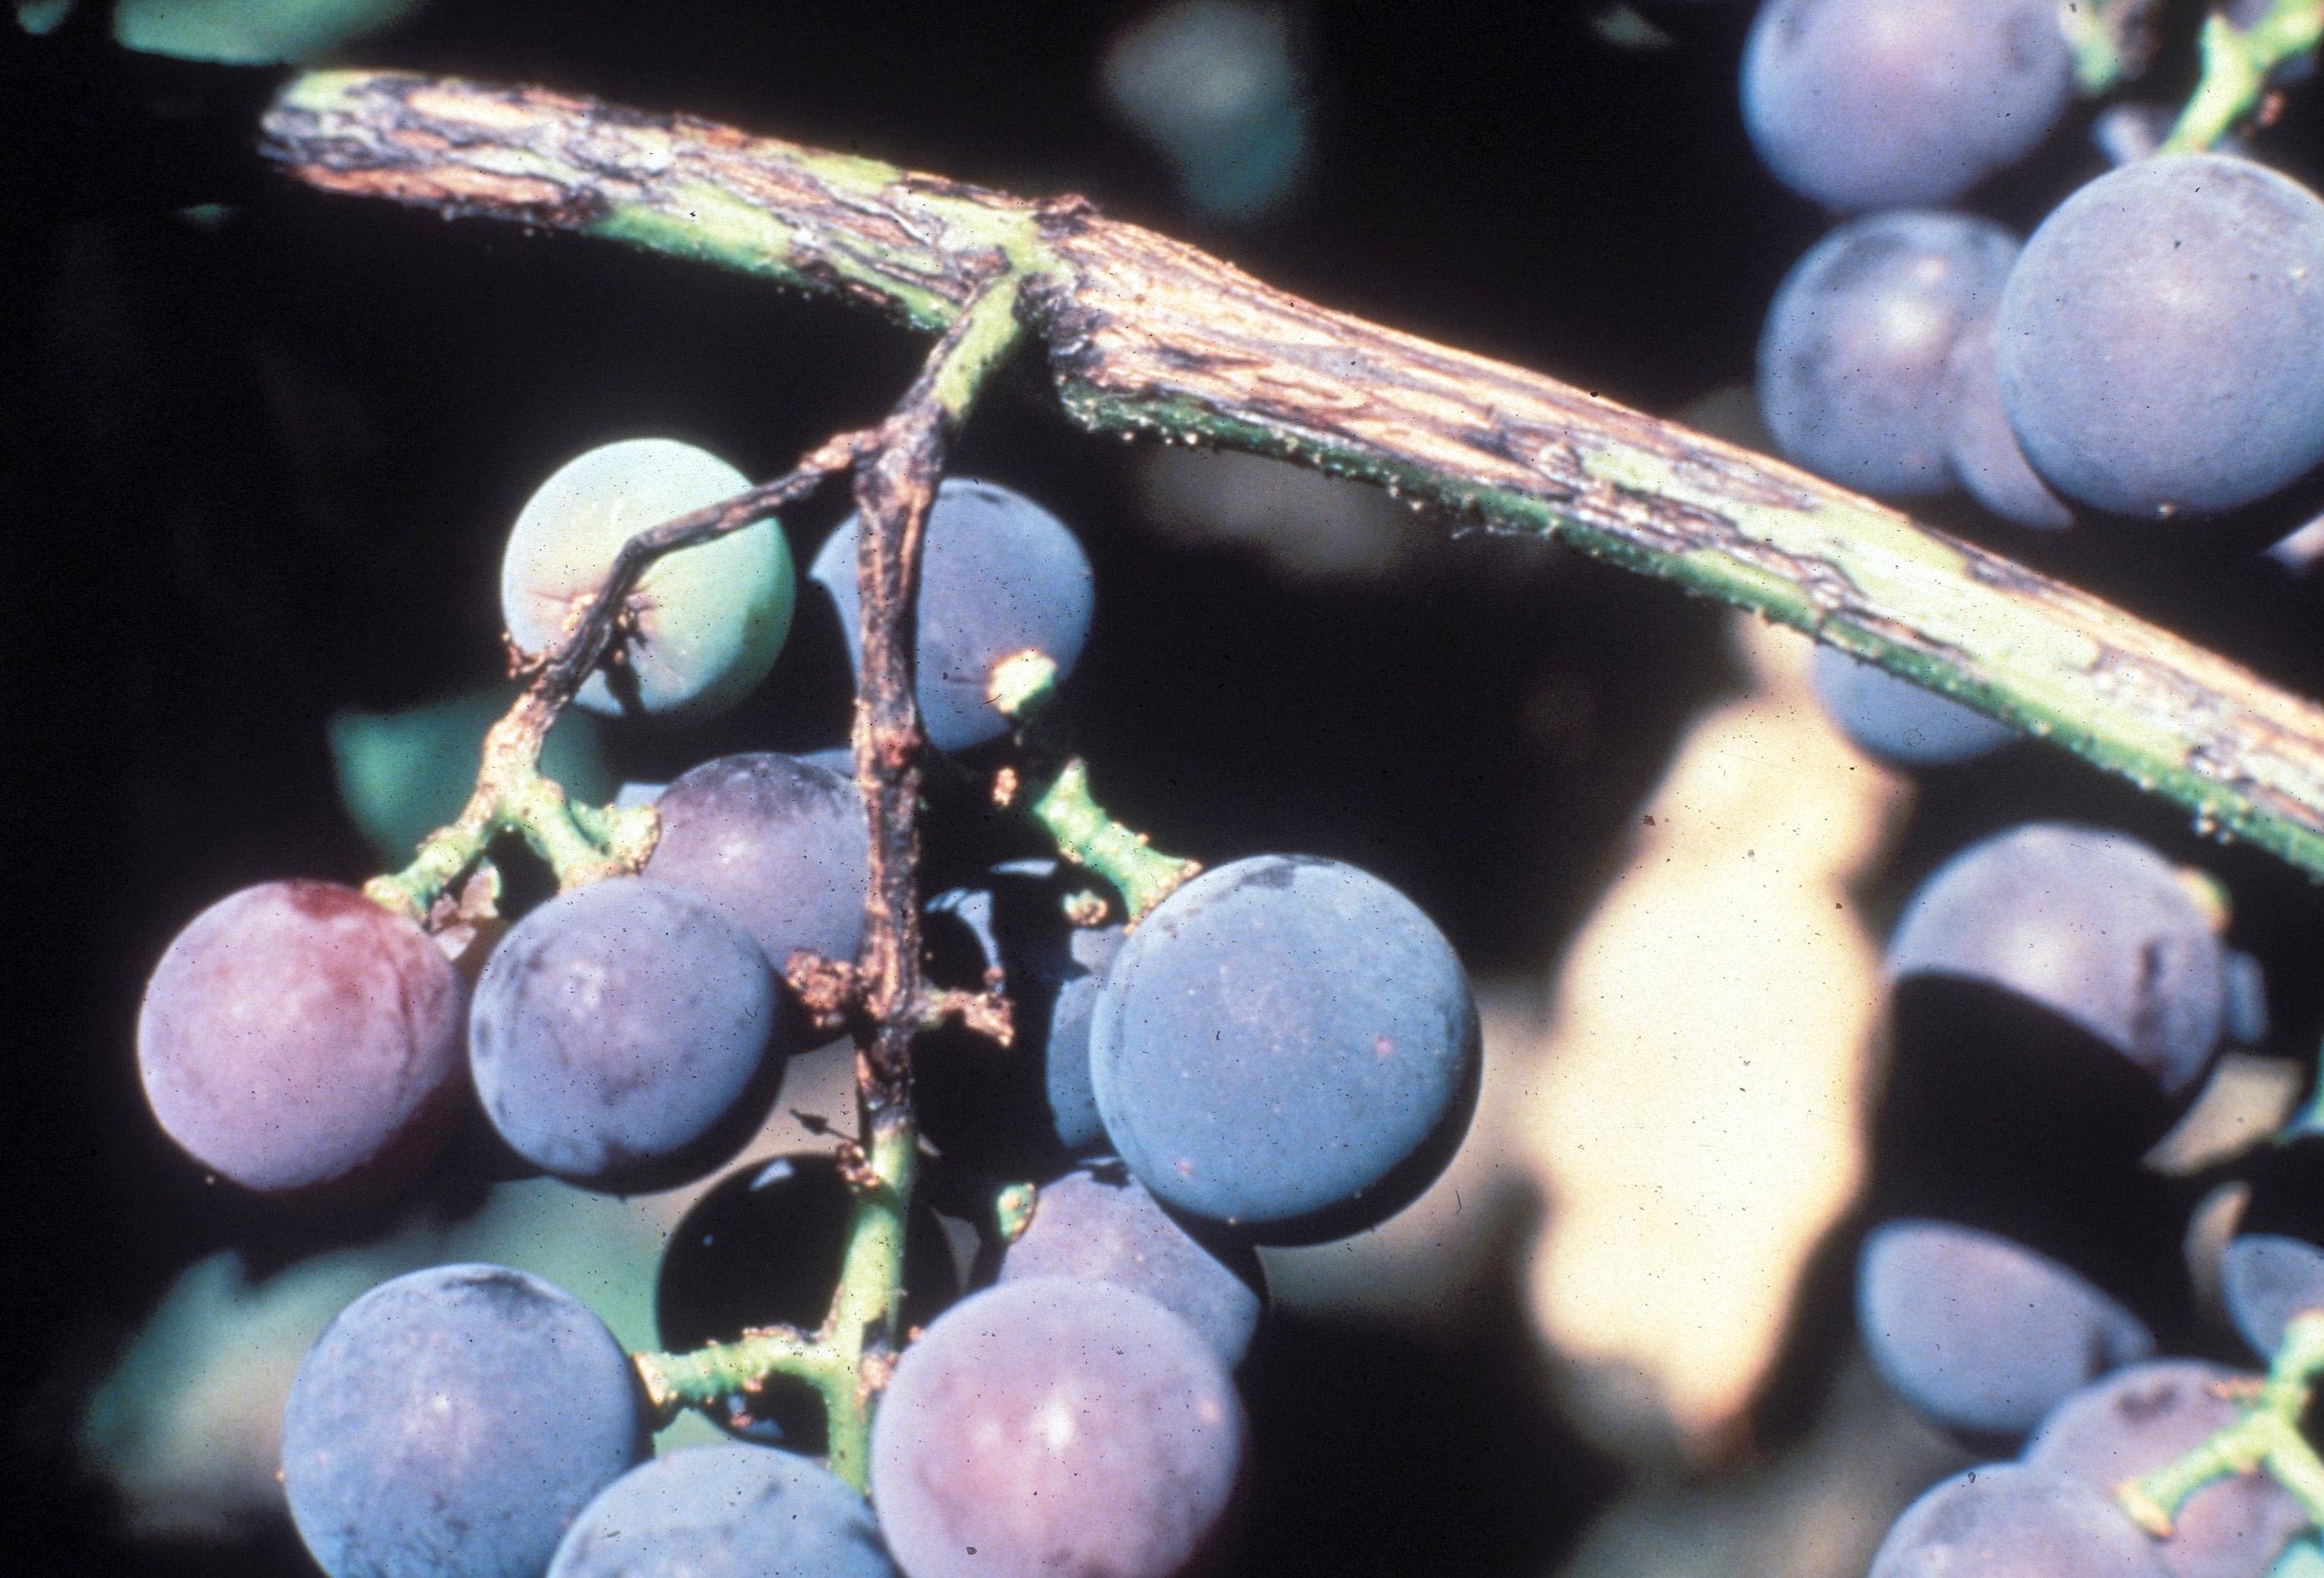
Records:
x=2147, y=1416
x=1980, y=1334
x=1053, y=1425
x=1852, y=359
x=724, y=1512
x=780, y=844
x=617, y=1030
x=298, y=1037
x=1897, y=104
x=1102, y=1228
x=999, y=574
x=1984, y=449
x=2162, y=337
x=1285, y=1044
x=2009, y=1520
x=2093, y=925
x=454, y=1421
x=2268, y=1279
x=1897, y=720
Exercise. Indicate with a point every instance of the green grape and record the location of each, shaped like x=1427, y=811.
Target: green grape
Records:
x=708, y=619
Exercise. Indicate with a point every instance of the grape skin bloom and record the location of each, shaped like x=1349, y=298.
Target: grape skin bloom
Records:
x=1285, y=1044
x=617, y=1026
x=1987, y=459
x=2093, y=925
x=2010, y=1521
x=296, y=1036
x=1980, y=1334
x=454, y=1421
x=2162, y=337
x=2147, y=1416
x=710, y=618
x=999, y=576
x=1852, y=359
x=1053, y=1425
x=1892, y=103
x=724, y=1512
x=1103, y=1229
x=778, y=842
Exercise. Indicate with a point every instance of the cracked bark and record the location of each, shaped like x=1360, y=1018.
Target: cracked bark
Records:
x=1145, y=335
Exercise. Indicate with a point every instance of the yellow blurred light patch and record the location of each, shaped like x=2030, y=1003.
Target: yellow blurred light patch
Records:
x=1699, y=1104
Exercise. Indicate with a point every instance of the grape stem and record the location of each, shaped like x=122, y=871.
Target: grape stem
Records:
x=581, y=843
x=2236, y=64
x=1146, y=335
x=897, y=468
x=2266, y=1437
x=1058, y=795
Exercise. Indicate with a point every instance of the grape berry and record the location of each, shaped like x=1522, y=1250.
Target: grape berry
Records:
x=456, y=1420
x=296, y=1037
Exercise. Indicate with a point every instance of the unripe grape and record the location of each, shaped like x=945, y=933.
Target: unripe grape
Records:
x=709, y=619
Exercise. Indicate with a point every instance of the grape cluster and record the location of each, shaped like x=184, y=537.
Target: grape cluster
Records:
x=1281, y=1049
x=2156, y=347
x=2009, y=1349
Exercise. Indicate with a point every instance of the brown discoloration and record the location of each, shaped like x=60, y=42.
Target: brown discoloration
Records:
x=1146, y=319
x=987, y=1014
x=825, y=987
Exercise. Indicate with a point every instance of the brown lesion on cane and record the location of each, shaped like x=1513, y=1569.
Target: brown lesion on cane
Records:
x=1149, y=334
x=1149, y=319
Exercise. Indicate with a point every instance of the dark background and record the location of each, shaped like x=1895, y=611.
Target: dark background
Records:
x=259, y=471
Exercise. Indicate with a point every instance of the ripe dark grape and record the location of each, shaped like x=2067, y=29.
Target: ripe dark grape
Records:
x=709, y=619
x=1852, y=358
x=778, y=842
x=762, y=1247
x=1287, y=1044
x=1897, y=720
x=2266, y=1279
x=2147, y=1416
x=2009, y=1520
x=1980, y=1334
x=298, y=1037
x=1054, y=1426
x=1896, y=104
x=724, y=1512
x=2093, y=925
x=2162, y=337
x=999, y=575
x=1030, y=1102
x=454, y=1420
x=1986, y=455
x=1099, y=1225
x=617, y=1029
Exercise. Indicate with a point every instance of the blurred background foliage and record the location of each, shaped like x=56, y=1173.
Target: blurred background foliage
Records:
x=265, y=448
